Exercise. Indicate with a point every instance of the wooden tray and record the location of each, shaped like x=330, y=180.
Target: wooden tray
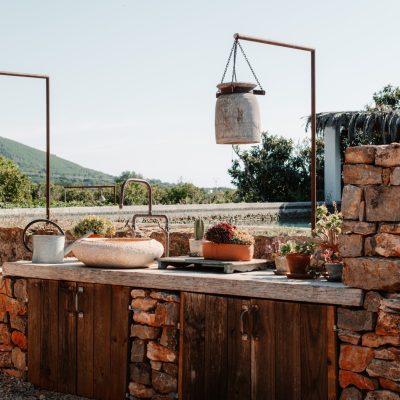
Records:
x=228, y=266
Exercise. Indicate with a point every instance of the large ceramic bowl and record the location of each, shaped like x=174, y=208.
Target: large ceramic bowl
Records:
x=118, y=252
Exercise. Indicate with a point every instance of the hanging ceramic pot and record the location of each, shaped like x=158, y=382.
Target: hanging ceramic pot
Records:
x=237, y=115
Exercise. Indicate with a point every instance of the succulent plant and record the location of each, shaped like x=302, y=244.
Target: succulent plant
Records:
x=227, y=233
x=98, y=225
x=198, y=228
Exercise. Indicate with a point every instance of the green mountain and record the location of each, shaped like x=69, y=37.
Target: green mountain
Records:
x=32, y=162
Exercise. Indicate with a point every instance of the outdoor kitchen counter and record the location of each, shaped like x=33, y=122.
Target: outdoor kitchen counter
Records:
x=256, y=284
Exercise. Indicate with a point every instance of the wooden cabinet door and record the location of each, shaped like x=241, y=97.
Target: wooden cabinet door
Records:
x=234, y=348
x=78, y=338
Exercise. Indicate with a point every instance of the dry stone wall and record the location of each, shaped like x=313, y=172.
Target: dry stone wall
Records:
x=369, y=360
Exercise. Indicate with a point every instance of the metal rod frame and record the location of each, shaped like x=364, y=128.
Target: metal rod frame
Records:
x=47, y=78
x=238, y=36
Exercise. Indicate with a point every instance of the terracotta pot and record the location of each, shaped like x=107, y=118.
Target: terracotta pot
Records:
x=298, y=263
x=227, y=252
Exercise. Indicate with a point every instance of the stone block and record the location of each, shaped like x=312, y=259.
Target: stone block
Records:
x=5, y=286
x=369, y=246
x=355, y=320
x=135, y=293
x=387, y=245
x=164, y=383
x=165, y=296
x=156, y=365
x=5, y=335
x=372, y=301
x=351, y=245
x=12, y=306
x=347, y=378
x=355, y=358
x=141, y=391
x=388, y=353
x=388, y=324
x=388, y=156
x=138, y=351
x=18, y=358
x=371, y=339
x=361, y=211
x=360, y=155
x=349, y=336
x=170, y=369
x=382, y=203
x=358, y=227
x=395, y=176
x=19, y=339
x=351, y=199
x=169, y=337
x=372, y=273
x=16, y=373
x=386, y=176
x=167, y=314
x=390, y=385
x=20, y=290
x=156, y=352
x=381, y=395
x=18, y=323
x=145, y=332
x=5, y=359
x=389, y=228
x=145, y=318
x=391, y=305
x=362, y=174
x=140, y=373
x=384, y=369
x=351, y=393
x=144, y=304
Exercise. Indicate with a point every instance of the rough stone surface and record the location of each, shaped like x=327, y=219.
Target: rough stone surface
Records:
x=351, y=199
x=142, y=317
x=372, y=301
x=395, y=176
x=390, y=353
x=369, y=246
x=20, y=290
x=156, y=365
x=138, y=351
x=384, y=369
x=360, y=155
x=347, y=378
x=144, y=332
x=170, y=369
x=140, y=373
x=362, y=174
x=165, y=296
x=18, y=358
x=5, y=286
x=386, y=176
x=12, y=305
x=351, y=393
x=388, y=324
x=382, y=395
x=156, y=352
x=144, y=304
x=18, y=323
x=349, y=336
x=389, y=228
x=358, y=227
x=355, y=358
x=388, y=156
x=355, y=320
x=382, y=203
x=351, y=245
x=169, y=337
x=19, y=339
x=167, y=314
x=141, y=391
x=388, y=384
x=387, y=245
x=5, y=359
x=163, y=382
x=372, y=273
x=361, y=211
x=371, y=339
x=138, y=293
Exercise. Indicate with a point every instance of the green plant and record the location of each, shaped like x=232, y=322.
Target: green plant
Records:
x=198, y=228
x=97, y=225
x=228, y=234
x=291, y=247
x=286, y=248
x=328, y=225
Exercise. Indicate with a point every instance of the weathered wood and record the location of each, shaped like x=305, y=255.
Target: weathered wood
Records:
x=34, y=330
x=101, y=344
x=85, y=328
x=119, y=341
x=67, y=337
x=239, y=352
x=332, y=356
x=260, y=284
x=193, y=347
x=216, y=347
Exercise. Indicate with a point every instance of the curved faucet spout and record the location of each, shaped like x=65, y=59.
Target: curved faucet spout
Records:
x=149, y=192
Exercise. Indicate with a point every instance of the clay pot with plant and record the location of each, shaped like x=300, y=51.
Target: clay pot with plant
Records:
x=196, y=244
x=100, y=226
x=333, y=265
x=228, y=243
x=298, y=256
x=279, y=259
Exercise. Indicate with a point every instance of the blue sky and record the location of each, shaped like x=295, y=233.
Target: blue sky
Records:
x=133, y=82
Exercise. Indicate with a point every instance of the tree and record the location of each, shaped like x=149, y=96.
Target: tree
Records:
x=15, y=187
x=387, y=99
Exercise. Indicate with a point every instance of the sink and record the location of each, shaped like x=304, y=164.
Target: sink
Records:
x=118, y=252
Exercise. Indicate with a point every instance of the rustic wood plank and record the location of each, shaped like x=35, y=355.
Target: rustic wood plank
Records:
x=239, y=351
x=313, y=322
x=67, y=337
x=263, y=349
x=119, y=341
x=102, y=343
x=332, y=356
x=193, y=347
x=287, y=351
x=181, y=348
x=85, y=328
x=258, y=284
x=216, y=347
x=34, y=330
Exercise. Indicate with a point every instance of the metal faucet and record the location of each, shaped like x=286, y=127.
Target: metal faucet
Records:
x=150, y=209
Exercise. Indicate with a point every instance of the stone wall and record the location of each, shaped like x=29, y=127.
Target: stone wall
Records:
x=369, y=360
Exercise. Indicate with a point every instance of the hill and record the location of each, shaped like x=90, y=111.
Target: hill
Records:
x=32, y=162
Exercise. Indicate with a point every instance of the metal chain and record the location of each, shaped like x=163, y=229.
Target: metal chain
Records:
x=234, y=62
x=248, y=63
x=229, y=60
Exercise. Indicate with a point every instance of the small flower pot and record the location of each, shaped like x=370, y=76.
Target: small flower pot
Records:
x=298, y=264
x=281, y=265
x=334, y=271
x=227, y=252
x=196, y=248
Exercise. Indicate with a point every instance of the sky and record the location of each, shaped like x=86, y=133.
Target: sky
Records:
x=133, y=82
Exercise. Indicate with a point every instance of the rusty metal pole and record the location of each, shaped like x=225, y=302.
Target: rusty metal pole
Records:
x=47, y=78
x=238, y=36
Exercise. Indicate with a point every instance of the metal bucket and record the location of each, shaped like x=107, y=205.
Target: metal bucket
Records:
x=48, y=249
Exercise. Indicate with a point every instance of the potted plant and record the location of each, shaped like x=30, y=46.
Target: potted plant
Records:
x=279, y=259
x=196, y=244
x=298, y=256
x=227, y=242
x=333, y=265
x=100, y=227
x=328, y=226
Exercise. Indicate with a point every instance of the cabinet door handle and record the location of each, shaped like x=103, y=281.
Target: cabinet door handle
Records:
x=80, y=290
x=245, y=310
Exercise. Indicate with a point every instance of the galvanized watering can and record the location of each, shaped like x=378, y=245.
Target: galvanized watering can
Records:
x=48, y=249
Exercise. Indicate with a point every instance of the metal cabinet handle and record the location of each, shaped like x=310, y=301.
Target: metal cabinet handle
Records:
x=245, y=310
x=80, y=290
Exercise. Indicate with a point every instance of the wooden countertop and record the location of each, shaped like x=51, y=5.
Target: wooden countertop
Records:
x=258, y=284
